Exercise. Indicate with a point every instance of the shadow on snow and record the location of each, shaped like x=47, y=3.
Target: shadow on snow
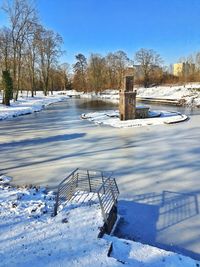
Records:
x=147, y=216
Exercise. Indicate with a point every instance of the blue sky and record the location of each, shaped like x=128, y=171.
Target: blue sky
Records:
x=170, y=27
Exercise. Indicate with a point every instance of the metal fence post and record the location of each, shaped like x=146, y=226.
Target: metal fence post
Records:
x=103, y=182
x=90, y=187
x=102, y=209
x=116, y=185
x=77, y=179
x=56, y=204
x=111, y=189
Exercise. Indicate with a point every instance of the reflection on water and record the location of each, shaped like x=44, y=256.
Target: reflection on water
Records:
x=97, y=105
x=90, y=104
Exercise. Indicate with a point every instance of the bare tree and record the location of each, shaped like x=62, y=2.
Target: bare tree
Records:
x=5, y=48
x=112, y=71
x=22, y=17
x=5, y=60
x=197, y=60
x=63, y=71
x=122, y=63
x=31, y=58
x=148, y=60
x=97, y=72
x=49, y=50
x=100, y=72
x=29, y=50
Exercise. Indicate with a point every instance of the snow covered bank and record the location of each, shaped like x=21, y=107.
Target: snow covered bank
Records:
x=111, y=118
x=188, y=95
x=134, y=254
x=29, y=236
x=28, y=105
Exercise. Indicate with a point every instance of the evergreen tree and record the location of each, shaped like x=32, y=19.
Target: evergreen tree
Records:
x=80, y=73
x=8, y=87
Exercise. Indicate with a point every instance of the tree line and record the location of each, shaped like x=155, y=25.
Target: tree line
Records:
x=102, y=72
x=98, y=72
x=29, y=53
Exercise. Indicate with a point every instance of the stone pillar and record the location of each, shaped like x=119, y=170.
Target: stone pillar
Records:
x=128, y=83
x=127, y=100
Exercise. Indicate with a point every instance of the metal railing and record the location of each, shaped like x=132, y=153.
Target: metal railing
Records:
x=107, y=194
x=98, y=182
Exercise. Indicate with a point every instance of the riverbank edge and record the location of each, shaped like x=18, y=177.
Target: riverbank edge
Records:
x=28, y=105
x=183, y=95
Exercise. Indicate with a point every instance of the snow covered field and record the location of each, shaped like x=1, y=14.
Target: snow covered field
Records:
x=111, y=118
x=30, y=236
x=27, y=105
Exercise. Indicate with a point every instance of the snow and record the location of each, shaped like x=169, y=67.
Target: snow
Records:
x=30, y=236
x=27, y=105
x=146, y=161
x=136, y=254
x=188, y=94
x=5, y=179
x=111, y=118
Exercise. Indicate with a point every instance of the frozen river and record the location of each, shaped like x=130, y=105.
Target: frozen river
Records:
x=157, y=167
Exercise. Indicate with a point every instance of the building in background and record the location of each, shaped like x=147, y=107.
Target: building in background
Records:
x=183, y=69
x=138, y=72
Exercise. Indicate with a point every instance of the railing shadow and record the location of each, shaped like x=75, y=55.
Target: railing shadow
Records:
x=149, y=215
x=176, y=207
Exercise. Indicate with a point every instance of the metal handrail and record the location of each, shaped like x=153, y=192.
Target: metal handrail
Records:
x=104, y=186
x=108, y=201
x=58, y=191
x=68, y=177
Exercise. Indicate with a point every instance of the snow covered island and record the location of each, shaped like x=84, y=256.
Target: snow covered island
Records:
x=30, y=236
x=111, y=118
